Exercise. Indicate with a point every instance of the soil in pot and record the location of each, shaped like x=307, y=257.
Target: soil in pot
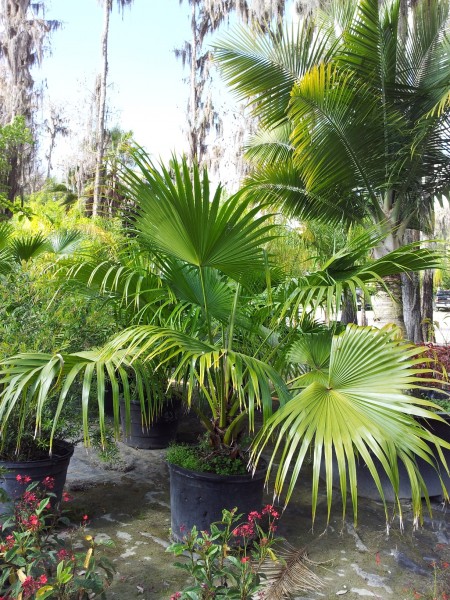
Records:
x=54, y=466
x=158, y=435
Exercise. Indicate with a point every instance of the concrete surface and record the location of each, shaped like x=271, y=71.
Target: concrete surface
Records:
x=130, y=505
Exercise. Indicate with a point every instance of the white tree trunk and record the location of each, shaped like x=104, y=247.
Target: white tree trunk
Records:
x=387, y=303
x=107, y=6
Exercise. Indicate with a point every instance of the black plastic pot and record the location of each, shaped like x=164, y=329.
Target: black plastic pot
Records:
x=199, y=498
x=54, y=466
x=366, y=484
x=159, y=435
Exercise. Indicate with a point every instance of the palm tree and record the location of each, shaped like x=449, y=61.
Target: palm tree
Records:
x=354, y=114
x=199, y=300
x=107, y=9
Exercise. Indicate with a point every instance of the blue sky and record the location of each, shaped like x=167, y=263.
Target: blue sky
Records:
x=146, y=89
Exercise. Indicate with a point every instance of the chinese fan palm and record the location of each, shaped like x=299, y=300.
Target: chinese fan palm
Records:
x=217, y=337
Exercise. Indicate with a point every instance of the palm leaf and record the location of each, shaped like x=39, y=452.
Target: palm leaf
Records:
x=364, y=411
x=263, y=67
x=65, y=242
x=30, y=378
x=344, y=273
x=29, y=246
x=6, y=231
x=252, y=381
x=289, y=574
x=178, y=217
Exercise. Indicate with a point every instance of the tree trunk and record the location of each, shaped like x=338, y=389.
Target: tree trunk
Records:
x=195, y=155
x=427, y=306
x=411, y=297
x=388, y=304
x=411, y=306
x=107, y=6
x=348, y=311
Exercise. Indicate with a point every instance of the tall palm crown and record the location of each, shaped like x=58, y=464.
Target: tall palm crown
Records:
x=354, y=112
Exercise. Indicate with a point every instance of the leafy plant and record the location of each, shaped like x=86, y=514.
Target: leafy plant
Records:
x=199, y=313
x=38, y=562
x=203, y=458
x=241, y=560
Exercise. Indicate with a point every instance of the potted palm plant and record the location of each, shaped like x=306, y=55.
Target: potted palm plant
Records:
x=228, y=334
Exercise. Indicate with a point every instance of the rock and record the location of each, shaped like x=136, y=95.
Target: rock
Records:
x=406, y=563
x=359, y=544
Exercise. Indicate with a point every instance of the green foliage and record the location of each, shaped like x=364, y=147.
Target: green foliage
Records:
x=35, y=317
x=12, y=136
x=203, y=458
x=39, y=562
x=240, y=561
x=198, y=312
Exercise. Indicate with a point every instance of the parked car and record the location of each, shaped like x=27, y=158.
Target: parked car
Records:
x=442, y=300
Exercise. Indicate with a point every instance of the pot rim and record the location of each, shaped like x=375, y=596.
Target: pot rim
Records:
x=61, y=450
x=259, y=473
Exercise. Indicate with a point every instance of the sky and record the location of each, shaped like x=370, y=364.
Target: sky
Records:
x=146, y=91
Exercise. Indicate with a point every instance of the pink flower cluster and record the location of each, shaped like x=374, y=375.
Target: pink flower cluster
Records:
x=30, y=585
x=23, y=479
x=247, y=530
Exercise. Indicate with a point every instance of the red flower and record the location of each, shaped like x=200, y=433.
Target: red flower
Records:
x=49, y=483
x=175, y=596
x=33, y=522
x=66, y=497
x=62, y=554
x=244, y=530
x=85, y=518
x=253, y=516
x=18, y=477
x=43, y=579
x=245, y=559
x=270, y=510
x=27, y=479
x=29, y=497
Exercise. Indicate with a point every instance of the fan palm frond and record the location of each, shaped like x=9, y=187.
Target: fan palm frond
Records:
x=29, y=246
x=362, y=411
x=178, y=217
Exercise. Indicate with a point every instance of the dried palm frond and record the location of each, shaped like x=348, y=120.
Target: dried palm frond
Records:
x=289, y=574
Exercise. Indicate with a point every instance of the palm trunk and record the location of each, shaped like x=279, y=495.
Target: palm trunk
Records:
x=411, y=297
x=388, y=302
x=107, y=6
x=411, y=306
x=427, y=305
x=348, y=314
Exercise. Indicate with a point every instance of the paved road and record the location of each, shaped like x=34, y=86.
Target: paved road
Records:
x=441, y=325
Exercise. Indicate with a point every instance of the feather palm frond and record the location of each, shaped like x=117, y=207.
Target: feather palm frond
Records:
x=290, y=574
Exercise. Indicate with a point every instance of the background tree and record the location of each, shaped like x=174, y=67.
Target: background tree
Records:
x=23, y=32
x=206, y=17
x=353, y=126
x=56, y=124
x=100, y=141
